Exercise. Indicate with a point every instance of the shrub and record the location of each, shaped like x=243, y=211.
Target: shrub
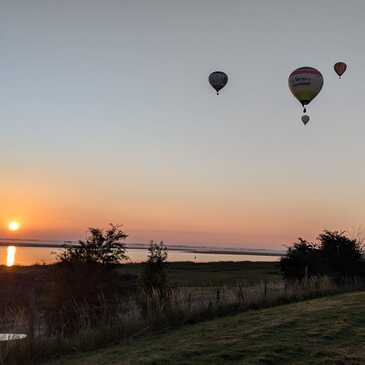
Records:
x=101, y=246
x=85, y=280
x=341, y=257
x=154, y=277
x=335, y=255
x=300, y=261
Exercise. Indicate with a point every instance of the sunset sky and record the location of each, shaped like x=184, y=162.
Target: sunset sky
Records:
x=107, y=116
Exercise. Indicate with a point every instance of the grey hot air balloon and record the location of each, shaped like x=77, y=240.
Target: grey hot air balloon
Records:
x=218, y=80
x=305, y=119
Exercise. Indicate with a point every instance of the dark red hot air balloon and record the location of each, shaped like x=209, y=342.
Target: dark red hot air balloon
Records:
x=340, y=68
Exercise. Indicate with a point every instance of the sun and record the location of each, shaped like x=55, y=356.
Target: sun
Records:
x=14, y=226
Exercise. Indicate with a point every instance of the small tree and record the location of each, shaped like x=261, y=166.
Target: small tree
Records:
x=101, y=247
x=154, y=276
x=300, y=262
x=85, y=281
x=341, y=256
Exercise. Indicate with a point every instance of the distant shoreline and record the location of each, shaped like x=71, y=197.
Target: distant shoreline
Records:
x=140, y=246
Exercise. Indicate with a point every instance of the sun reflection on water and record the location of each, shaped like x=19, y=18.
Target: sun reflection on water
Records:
x=11, y=256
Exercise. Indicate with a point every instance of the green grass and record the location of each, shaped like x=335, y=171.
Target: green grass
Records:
x=214, y=273
x=186, y=273
x=329, y=330
x=180, y=274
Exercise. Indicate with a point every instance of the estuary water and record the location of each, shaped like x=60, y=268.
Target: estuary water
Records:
x=45, y=255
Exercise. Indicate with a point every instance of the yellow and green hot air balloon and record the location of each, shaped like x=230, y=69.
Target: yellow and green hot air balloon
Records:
x=305, y=83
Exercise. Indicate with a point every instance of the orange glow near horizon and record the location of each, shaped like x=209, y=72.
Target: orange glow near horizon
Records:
x=247, y=216
x=255, y=221
x=11, y=256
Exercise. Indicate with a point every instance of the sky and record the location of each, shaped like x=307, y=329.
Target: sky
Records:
x=107, y=116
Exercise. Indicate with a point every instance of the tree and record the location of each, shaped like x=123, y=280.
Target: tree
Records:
x=341, y=256
x=85, y=282
x=154, y=276
x=101, y=247
x=300, y=262
x=335, y=255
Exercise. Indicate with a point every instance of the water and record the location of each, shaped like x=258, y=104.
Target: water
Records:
x=4, y=337
x=32, y=255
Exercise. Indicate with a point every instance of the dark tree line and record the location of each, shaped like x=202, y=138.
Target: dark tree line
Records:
x=335, y=255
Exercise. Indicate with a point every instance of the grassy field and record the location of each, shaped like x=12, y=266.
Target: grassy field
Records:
x=189, y=274
x=330, y=330
x=214, y=273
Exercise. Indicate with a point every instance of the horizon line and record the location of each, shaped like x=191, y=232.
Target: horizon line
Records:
x=4, y=242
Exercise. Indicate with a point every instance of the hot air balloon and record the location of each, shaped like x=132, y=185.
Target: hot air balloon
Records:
x=305, y=119
x=218, y=80
x=340, y=68
x=305, y=83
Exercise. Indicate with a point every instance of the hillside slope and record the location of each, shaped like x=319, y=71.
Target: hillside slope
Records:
x=322, y=331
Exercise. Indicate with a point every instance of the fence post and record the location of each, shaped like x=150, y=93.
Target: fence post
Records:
x=189, y=302
x=31, y=314
x=218, y=296
x=306, y=275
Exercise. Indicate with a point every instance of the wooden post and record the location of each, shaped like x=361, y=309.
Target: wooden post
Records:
x=189, y=302
x=306, y=275
x=31, y=314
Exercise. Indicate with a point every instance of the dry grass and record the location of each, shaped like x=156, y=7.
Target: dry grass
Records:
x=181, y=306
x=323, y=331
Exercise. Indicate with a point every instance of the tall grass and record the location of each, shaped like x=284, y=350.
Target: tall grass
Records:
x=142, y=313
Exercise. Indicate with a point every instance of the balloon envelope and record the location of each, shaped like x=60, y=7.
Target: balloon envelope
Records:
x=218, y=80
x=340, y=68
x=305, y=83
x=305, y=119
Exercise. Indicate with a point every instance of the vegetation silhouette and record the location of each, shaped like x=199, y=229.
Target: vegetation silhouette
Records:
x=334, y=255
x=101, y=246
x=154, y=291
x=86, y=280
x=154, y=276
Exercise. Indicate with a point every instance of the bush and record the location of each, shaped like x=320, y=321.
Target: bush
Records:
x=341, y=257
x=301, y=261
x=85, y=282
x=154, y=296
x=154, y=277
x=335, y=255
x=101, y=246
